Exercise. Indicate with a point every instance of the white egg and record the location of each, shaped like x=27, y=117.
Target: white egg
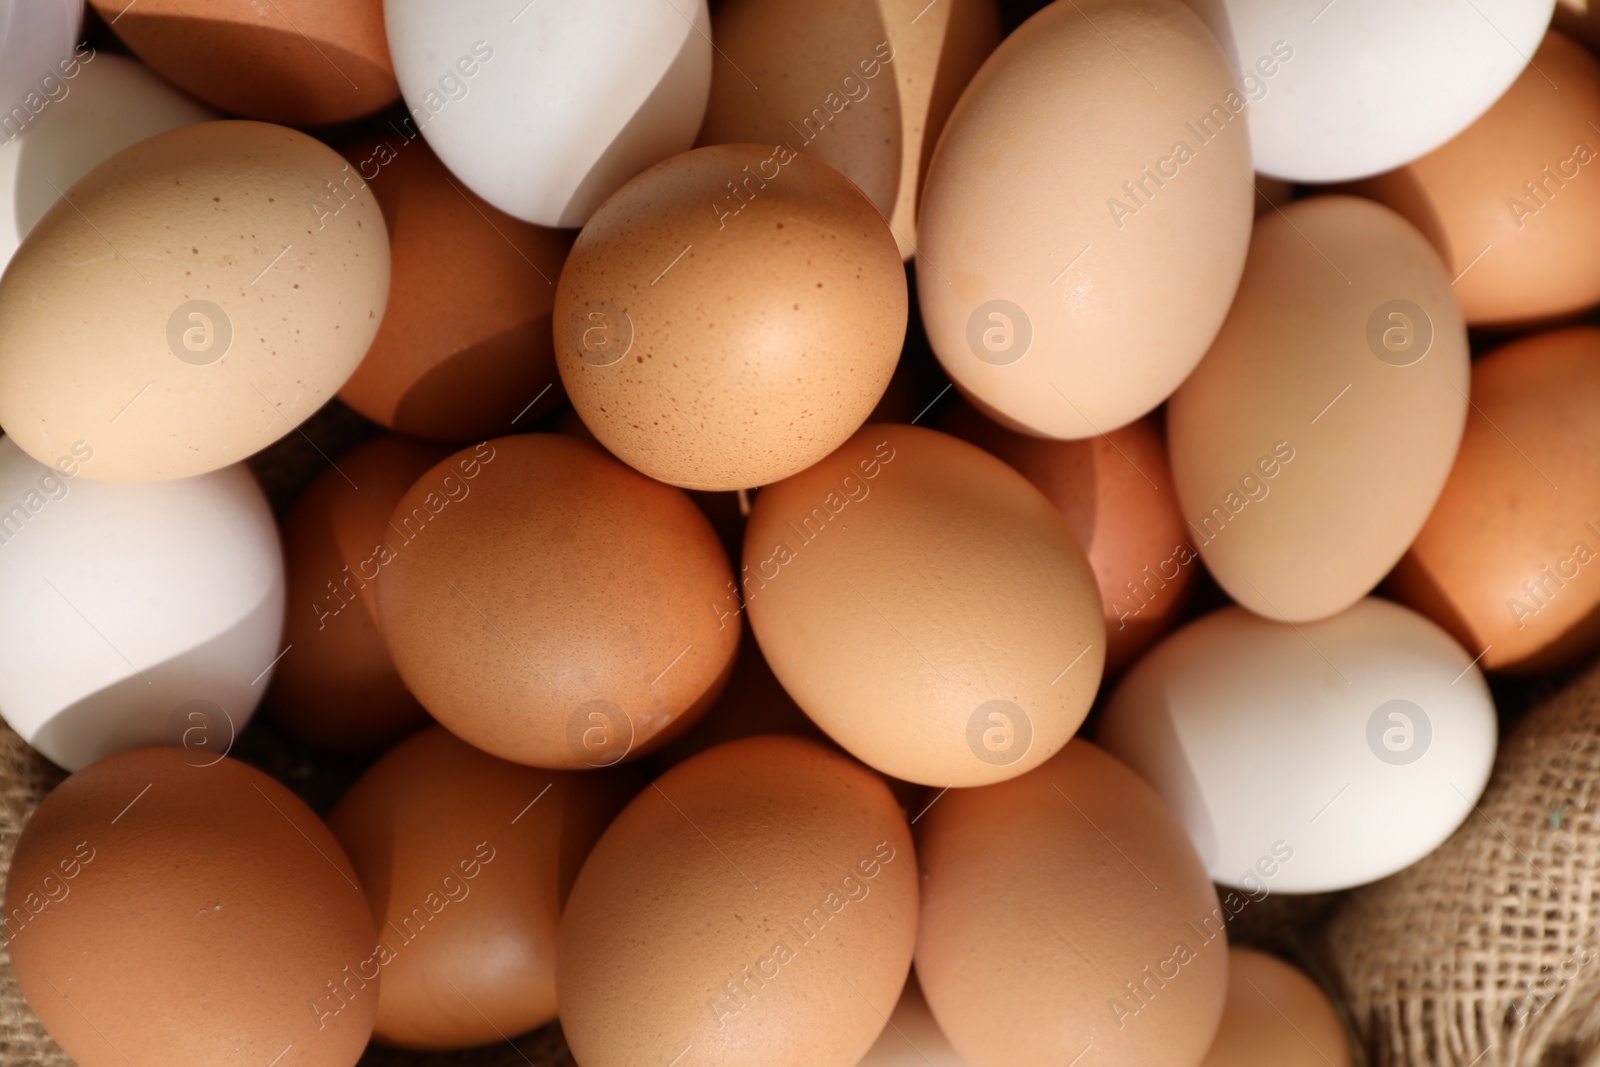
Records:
x=37, y=39
x=106, y=104
x=546, y=107
x=1342, y=89
x=1313, y=757
x=133, y=614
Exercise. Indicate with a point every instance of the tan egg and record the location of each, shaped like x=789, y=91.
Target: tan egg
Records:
x=730, y=316
x=912, y=1038
x=756, y=905
x=1065, y=912
x=1275, y=1017
x=467, y=861
x=1085, y=216
x=300, y=62
x=190, y=301
x=926, y=606
x=1507, y=560
x=865, y=88
x=1507, y=201
x=336, y=686
x=464, y=352
x=552, y=607
x=1115, y=491
x=166, y=906
x=1310, y=444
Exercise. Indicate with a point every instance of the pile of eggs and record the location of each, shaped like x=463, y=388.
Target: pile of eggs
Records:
x=709, y=669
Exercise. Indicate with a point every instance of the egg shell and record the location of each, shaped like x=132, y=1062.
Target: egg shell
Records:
x=519, y=110
x=1578, y=20
x=1310, y=444
x=1504, y=201
x=466, y=860
x=926, y=606
x=1359, y=88
x=1115, y=491
x=464, y=352
x=336, y=687
x=1308, y=758
x=552, y=607
x=298, y=62
x=1102, y=930
x=718, y=342
x=912, y=1037
x=229, y=282
x=756, y=905
x=36, y=49
x=136, y=615
x=164, y=909
x=1275, y=1017
x=1062, y=301
x=1502, y=562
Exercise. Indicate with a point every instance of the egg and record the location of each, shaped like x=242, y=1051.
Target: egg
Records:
x=755, y=905
x=190, y=301
x=517, y=106
x=1503, y=201
x=926, y=606
x=135, y=615
x=699, y=323
x=1064, y=914
x=1115, y=491
x=1502, y=562
x=163, y=912
x=1073, y=268
x=820, y=64
x=466, y=860
x=335, y=686
x=1288, y=750
x=552, y=607
x=36, y=51
x=1361, y=87
x=464, y=351
x=298, y=62
x=1304, y=479
x=912, y=1037
x=1275, y=1017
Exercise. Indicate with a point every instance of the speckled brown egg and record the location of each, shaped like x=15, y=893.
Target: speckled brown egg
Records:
x=1275, y=1017
x=464, y=350
x=730, y=316
x=755, y=905
x=167, y=906
x=553, y=607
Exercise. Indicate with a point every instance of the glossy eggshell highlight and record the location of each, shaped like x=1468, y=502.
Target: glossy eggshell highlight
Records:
x=1310, y=444
x=552, y=607
x=1275, y=1017
x=757, y=903
x=926, y=606
x=1062, y=302
x=466, y=860
x=155, y=879
x=715, y=342
x=298, y=62
x=1093, y=888
x=464, y=351
x=230, y=281
x=1504, y=562
x=1308, y=758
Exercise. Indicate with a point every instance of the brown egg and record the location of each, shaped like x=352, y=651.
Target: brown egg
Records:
x=926, y=606
x=756, y=905
x=1507, y=201
x=464, y=350
x=1115, y=491
x=467, y=861
x=551, y=606
x=1579, y=20
x=170, y=907
x=730, y=316
x=336, y=686
x=298, y=62
x=1507, y=560
x=1275, y=1017
x=1066, y=911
